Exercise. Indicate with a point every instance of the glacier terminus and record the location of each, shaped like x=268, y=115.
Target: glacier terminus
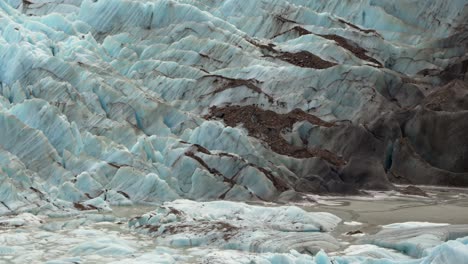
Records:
x=234, y=131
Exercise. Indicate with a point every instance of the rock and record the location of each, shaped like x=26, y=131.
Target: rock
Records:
x=365, y=173
x=413, y=190
x=162, y=100
x=355, y=232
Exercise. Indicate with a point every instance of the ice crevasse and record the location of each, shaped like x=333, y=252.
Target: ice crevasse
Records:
x=122, y=102
x=148, y=101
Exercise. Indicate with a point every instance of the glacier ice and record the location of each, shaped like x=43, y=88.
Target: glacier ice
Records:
x=414, y=225
x=416, y=241
x=230, y=225
x=105, y=238
x=124, y=102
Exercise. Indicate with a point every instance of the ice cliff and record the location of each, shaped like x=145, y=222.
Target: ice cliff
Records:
x=117, y=102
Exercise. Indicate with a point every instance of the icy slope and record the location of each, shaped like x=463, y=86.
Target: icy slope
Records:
x=115, y=102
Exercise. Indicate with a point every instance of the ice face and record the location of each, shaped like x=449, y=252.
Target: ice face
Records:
x=123, y=102
x=416, y=241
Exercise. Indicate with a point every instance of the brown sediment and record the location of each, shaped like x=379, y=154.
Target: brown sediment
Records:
x=7, y=225
x=302, y=31
x=208, y=57
x=36, y=191
x=202, y=149
x=406, y=79
x=124, y=194
x=226, y=83
x=267, y=126
x=285, y=20
x=356, y=232
x=152, y=228
x=453, y=97
x=413, y=190
x=305, y=59
x=358, y=28
x=342, y=42
x=26, y=3
x=174, y=211
x=213, y=171
x=204, y=227
x=298, y=29
x=84, y=207
x=114, y=165
x=270, y=47
x=277, y=182
x=302, y=58
x=202, y=163
x=353, y=47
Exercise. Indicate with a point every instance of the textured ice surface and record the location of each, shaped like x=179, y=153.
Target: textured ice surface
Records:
x=416, y=241
x=109, y=100
x=239, y=226
x=414, y=224
x=124, y=102
x=106, y=238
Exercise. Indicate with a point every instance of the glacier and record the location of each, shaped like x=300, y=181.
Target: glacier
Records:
x=217, y=116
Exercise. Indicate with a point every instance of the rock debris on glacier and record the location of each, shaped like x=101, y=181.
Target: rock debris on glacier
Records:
x=124, y=102
x=229, y=225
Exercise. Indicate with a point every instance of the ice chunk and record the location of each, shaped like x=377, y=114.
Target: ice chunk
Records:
x=414, y=241
x=450, y=252
x=414, y=225
x=352, y=223
x=239, y=226
x=24, y=219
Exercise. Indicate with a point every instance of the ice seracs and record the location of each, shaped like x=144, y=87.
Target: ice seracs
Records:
x=125, y=102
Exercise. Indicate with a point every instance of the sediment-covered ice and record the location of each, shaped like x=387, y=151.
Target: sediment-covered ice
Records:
x=106, y=238
x=239, y=226
x=150, y=101
x=124, y=102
